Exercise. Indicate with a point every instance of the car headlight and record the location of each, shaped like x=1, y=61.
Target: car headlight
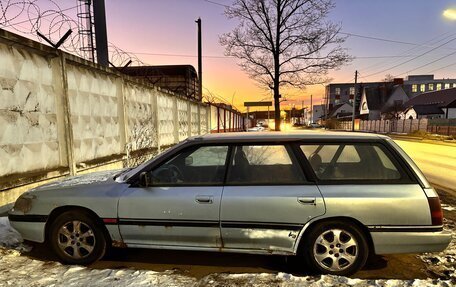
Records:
x=24, y=202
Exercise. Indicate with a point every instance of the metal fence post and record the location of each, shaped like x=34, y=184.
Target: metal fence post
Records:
x=155, y=110
x=189, y=119
x=175, y=120
x=199, y=118
x=218, y=119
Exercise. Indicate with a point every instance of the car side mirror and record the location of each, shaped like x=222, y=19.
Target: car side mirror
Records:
x=144, y=179
x=188, y=160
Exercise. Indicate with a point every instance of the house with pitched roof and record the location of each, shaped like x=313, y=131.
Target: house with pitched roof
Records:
x=432, y=105
x=383, y=102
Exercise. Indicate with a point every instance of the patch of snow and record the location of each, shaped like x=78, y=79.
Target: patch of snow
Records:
x=448, y=207
x=9, y=237
x=444, y=263
x=89, y=178
x=17, y=269
x=288, y=280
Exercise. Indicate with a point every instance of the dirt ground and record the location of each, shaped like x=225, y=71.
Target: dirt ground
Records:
x=200, y=264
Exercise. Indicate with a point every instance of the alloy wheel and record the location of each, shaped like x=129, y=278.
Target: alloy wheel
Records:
x=335, y=250
x=76, y=239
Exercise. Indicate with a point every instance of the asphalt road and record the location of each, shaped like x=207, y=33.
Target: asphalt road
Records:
x=437, y=161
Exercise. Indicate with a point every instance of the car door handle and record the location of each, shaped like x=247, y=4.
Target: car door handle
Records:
x=207, y=199
x=307, y=200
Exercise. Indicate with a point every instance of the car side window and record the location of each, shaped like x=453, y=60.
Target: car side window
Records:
x=264, y=164
x=351, y=162
x=203, y=165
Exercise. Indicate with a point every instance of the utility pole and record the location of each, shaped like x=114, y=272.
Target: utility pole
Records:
x=354, y=101
x=327, y=90
x=200, y=61
x=311, y=109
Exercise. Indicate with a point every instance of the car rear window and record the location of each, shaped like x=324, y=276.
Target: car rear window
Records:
x=351, y=161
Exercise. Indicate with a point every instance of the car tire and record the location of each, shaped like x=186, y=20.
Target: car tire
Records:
x=336, y=248
x=76, y=238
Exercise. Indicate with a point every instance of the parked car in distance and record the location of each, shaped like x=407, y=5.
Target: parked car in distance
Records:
x=258, y=128
x=332, y=199
x=315, y=125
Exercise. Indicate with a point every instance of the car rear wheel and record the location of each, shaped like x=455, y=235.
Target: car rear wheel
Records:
x=336, y=248
x=76, y=238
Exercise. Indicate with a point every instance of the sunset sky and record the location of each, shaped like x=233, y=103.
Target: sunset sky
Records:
x=407, y=34
x=167, y=27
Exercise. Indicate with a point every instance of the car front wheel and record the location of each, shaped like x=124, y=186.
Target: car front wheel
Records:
x=336, y=248
x=76, y=238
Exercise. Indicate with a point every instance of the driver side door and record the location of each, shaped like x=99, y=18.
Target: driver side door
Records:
x=181, y=205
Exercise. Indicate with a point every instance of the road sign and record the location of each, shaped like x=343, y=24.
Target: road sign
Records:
x=257, y=104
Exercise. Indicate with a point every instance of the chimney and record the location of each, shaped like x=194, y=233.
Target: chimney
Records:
x=398, y=81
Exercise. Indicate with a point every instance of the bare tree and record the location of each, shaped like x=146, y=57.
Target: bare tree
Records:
x=388, y=78
x=284, y=43
x=394, y=111
x=142, y=142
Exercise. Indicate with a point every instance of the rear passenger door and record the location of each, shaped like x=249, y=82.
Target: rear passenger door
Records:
x=266, y=199
x=367, y=181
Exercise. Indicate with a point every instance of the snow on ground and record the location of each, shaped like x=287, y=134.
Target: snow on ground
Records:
x=444, y=263
x=9, y=237
x=448, y=207
x=17, y=269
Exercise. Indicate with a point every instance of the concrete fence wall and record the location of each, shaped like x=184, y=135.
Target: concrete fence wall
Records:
x=60, y=115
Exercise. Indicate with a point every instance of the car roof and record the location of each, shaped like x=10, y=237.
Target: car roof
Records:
x=286, y=136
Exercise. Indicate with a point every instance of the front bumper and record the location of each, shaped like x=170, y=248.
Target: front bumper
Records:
x=410, y=242
x=31, y=227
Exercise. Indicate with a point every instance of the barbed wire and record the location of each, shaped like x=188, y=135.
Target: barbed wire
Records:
x=28, y=17
x=121, y=58
x=52, y=22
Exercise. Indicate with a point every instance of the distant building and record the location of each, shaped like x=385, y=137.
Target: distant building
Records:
x=436, y=104
x=418, y=84
x=179, y=79
x=380, y=99
x=341, y=111
x=383, y=102
x=337, y=94
x=318, y=113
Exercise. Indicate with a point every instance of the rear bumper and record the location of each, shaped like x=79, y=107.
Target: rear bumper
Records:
x=410, y=242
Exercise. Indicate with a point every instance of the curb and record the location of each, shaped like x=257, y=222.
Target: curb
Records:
x=421, y=140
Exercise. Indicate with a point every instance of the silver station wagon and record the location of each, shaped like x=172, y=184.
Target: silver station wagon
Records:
x=332, y=199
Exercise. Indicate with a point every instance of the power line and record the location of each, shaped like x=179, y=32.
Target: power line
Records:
x=430, y=63
x=181, y=55
x=431, y=41
x=384, y=57
x=378, y=39
x=231, y=57
x=408, y=61
x=444, y=67
x=389, y=40
x=216, y=3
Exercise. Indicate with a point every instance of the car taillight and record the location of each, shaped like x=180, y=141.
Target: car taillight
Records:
x=436, y=210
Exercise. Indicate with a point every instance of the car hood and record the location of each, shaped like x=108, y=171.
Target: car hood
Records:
x=73, y=181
